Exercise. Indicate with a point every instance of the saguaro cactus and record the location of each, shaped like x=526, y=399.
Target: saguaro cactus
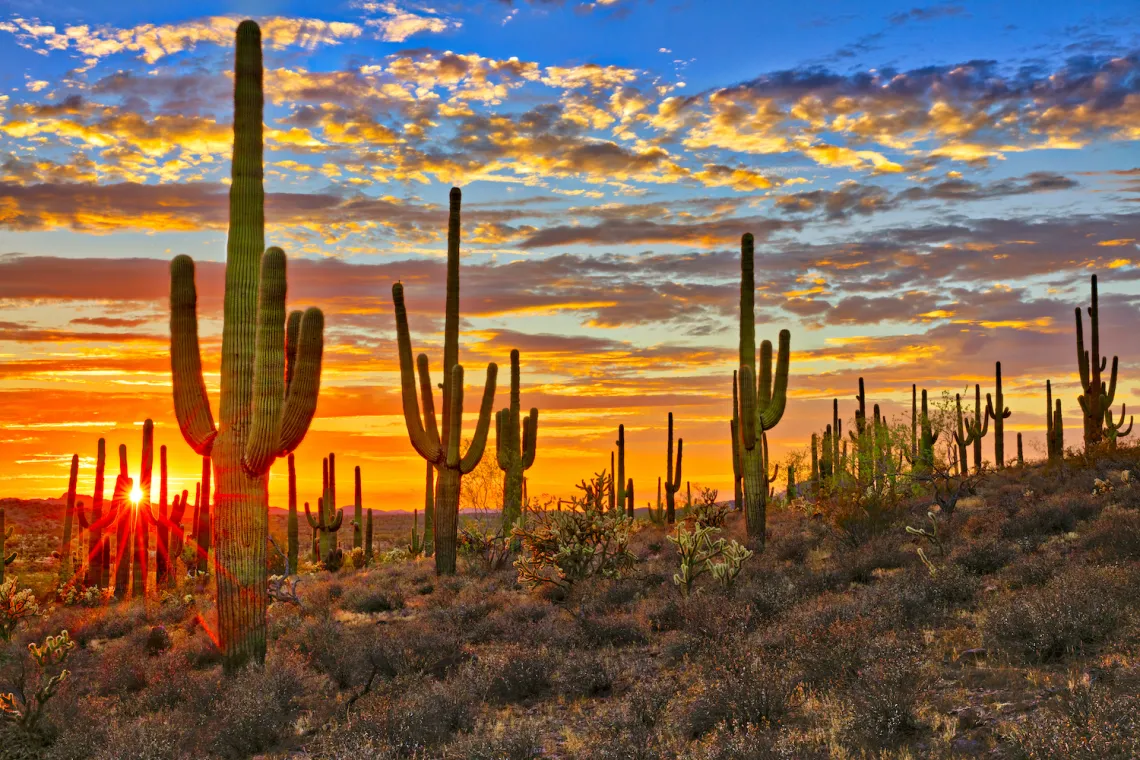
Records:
x=913, y=423
x=124, y=521
x=68, y=516
x=998, y=416
x=270, y=375
x=815, y=464
x=761, y=402
x=358, y=515
x=162, y=563
x=978, y=429
x=141, y=561
x=1097, y=398
x=177, y=535
x=328, y=519
x=672, y=475
x=202, y=524
x=737, y=478
x=515, y=456
x=1113, y=429
x=440, y=445
x=1020, y=452
x=368, y=537
x=619, y=478
x=925, y=460
x=292, y=530
x=97, y=523
x=5, y=536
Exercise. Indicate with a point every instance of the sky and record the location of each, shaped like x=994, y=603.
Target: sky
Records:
x=930, y=187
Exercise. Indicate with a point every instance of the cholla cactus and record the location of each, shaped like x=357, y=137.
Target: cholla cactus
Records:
x=15, y=605
x=1101, y=487
x=564, y=547
x=25, y=708
x=699, y=553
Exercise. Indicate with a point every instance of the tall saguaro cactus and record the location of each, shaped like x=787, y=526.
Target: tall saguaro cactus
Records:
x=618, y=485
x=270, y=378
x=515, y=456
x=1096, y=397
x=734, y=426
x=978, y=429
x=141, y=560
x=440, y=444
x=68, y=516
x=358, y=514
x=998, y=414
x=124, y=521
x=761, y=402
x=672, y=475
x=97, y=523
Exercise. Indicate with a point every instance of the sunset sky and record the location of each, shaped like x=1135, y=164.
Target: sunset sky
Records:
x=930, y=187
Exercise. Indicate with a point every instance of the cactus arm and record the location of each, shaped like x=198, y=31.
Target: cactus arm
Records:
x=764, y=389
x=334, y=525
x=314, y=524
x=530, y=439
x=427, y=446
x=305, y=385
x=268, y=366
x=191, y=404
x=292, y=335
x=1115, y=427
x=502, y=450
x=1110, y=395
x=427, y=399
x=773, y=412
x=486, y=409
x=1082, y=354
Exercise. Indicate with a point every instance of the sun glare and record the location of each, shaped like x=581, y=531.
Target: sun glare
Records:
x=136, y=495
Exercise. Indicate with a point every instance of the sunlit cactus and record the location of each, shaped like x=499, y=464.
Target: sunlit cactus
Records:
x=68, y=515
x=439, y=444
x=515, y=455
x=168, y=528
x=328, y=519
x=998, y=413
x=672, y=474
x=270, y=375
x=5, y=536
x=177, y=535
x=791, y=489
x=762, y=401
x=202, y=527
x=1096, y=398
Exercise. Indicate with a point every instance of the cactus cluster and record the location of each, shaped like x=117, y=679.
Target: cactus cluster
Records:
x=762, y=399
x=328, y=520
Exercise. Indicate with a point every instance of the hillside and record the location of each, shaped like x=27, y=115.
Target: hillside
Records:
x=1022, y=644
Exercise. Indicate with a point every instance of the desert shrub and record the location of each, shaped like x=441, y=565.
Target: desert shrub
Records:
x=1058, y=513
x=561, y=548
x=588, y=675
x=257, y=708
x=201, y=651
x=414, y=716
x=517, y=741
x=859, y=564
x=791, y=547
x=856, y=516
x=610, y=631
x=983, y=557
x=1033, y=570
x=734, y=742
x=741, y=689
x=368, y=599
x=161, y=735
x=513, y=675
x=769, y=594
x=1084, y=722
x=884, y=698
x=1115, y=536
x=119, y=670
x=712, y=619
x=917, y=597
x=1077, y=609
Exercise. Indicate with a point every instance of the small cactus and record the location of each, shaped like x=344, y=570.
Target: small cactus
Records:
x=998, y=415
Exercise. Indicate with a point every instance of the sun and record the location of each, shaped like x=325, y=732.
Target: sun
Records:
x=136, y=495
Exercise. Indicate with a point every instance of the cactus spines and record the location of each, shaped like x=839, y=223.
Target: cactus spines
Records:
x=358, y=515
x=441, y=445
x=292, y=529
x=5, y=536
x=1113, y=429
x=672, y=475
x=269, y=385
x=1096, y=398
x=97, y=523
x=762, y=402
x=429, y=510
x=514, y=456
x=998, y=415
x=68, y=516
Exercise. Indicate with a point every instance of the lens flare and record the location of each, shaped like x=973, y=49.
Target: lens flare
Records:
x=136, y=495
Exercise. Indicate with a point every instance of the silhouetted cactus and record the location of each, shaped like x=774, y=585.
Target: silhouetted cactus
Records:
x=270, y=374
x=761, y=402
x=1020, y=452
x=1096, y=398
x=68, y=515
x=5, y=536
x=734, y=426
x=368, y=537
x=672, y=475
x=971, y=434
x=177, y=535
x=913, y=423
x=203, y=527
x=815, y=464
x=925, y=461
x=97, y=523
x=358, y=515
x=825, y=450
x=791, y=491
x=999, y=416
x=416, y=545
x=515, y=455
x=429, y=510
x=619, y=475
x=1113, y=430
x=124, y=521
x=329, y=518
x=168, y=528
x=141, y=559
x=440, y=444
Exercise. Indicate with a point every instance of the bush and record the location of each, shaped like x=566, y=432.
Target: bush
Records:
x=1077, y=609
x=516, y=675
x=743, y=690
x=984, y=557
x=883, y=701
x=1115, y=537
x=1083, y=723
x=365, y=599
x=257, y=709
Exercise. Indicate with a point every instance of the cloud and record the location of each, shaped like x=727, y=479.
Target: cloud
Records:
x=398, y=24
